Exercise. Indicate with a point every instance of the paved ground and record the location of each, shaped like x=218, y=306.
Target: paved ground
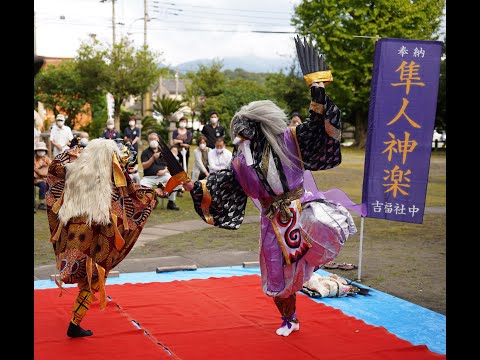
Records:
x=226, y=258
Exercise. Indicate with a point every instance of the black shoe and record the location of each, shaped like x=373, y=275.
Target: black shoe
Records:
x=171, y=206
x=42, y=206
x=76, y=331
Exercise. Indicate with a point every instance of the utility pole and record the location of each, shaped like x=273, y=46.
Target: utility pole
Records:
x=34, y=34
x=113, y=21
x=145, y=20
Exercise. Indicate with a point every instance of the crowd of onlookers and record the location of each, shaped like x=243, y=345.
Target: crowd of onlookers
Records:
x=211, y=154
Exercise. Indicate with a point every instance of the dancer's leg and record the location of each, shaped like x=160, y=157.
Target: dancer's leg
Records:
x=287, y=307
x=80, y=308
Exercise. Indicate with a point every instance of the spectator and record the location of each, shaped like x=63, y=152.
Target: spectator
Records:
x=133, y=171
x=155, y=170
x=213, y=130
x=36, y=136
x=41, y=162
x=175, y=153
x=132, y=168
x=80, y=140
x=110, y=132
x=200, y=159
x=296, y=119
x=60, y=136
x=182, y=139
x=84, y=139
x=132, y=133
x=219, y=158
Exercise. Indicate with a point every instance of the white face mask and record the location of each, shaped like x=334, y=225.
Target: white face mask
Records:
x=219, y=151
x=59, y=124
x=131, y=123
x=109, y=127
x=41, y=153
x=182, y=124
x=202, y=146
x=83, y=142
x=153, y=144
x=213, y=120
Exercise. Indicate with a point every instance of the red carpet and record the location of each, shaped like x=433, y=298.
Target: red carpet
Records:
x=217, y=318
x=114, y=335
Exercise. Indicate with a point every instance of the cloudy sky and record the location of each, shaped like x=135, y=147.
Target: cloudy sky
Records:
x=182, y=30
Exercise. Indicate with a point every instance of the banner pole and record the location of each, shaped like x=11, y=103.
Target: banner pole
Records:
x=359, y=272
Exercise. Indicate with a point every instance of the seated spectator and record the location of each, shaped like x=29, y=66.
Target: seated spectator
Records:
x=200, y=159
x=110, y=132
x=80, y=140
x=155, y=170
x=174, y=150
x=132, y=170
x=220, y=157
x=84, y=139
x=41, y=162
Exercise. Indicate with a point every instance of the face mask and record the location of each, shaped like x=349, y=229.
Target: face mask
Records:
x=153, y=144
x=219, y=151
x=213, y=120
x=83, y=142
x=202, y=146
x=59, y=124
x=41, y=153
x=237, y=140
x=182, y=124
x=109, y=127
x=131, y=123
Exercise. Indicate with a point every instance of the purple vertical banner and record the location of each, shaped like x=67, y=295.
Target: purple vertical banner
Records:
x=401, y=119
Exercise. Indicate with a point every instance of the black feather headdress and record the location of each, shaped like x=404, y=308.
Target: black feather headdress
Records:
x=313, y=64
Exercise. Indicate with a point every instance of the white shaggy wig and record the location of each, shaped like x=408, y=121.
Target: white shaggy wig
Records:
x=273, y=122
x=88, y=184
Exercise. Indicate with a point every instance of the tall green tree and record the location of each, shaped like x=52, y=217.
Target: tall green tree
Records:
x=121, y=69
x=333, y=24
x=60, y=88
x=208, y=81
x=289, y=91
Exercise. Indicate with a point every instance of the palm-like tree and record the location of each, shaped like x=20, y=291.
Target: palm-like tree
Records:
x=167, y=107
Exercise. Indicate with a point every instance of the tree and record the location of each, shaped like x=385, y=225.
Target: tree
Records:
x=236, y=94
x=60, y=88
x=121, y=70
x=208, y=81
x=332, y=25
x=167, y=107
x=290, y=90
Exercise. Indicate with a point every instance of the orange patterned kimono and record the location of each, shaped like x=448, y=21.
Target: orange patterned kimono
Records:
x=86, y=253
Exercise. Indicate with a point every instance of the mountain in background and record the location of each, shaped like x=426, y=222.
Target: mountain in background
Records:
x=247, y=63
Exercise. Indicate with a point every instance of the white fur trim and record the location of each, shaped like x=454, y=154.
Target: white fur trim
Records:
x=88, y=184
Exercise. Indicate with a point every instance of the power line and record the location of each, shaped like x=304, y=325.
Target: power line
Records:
x=223, y=30
x=180, y=21
x=237, y=15
x=229, y=9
